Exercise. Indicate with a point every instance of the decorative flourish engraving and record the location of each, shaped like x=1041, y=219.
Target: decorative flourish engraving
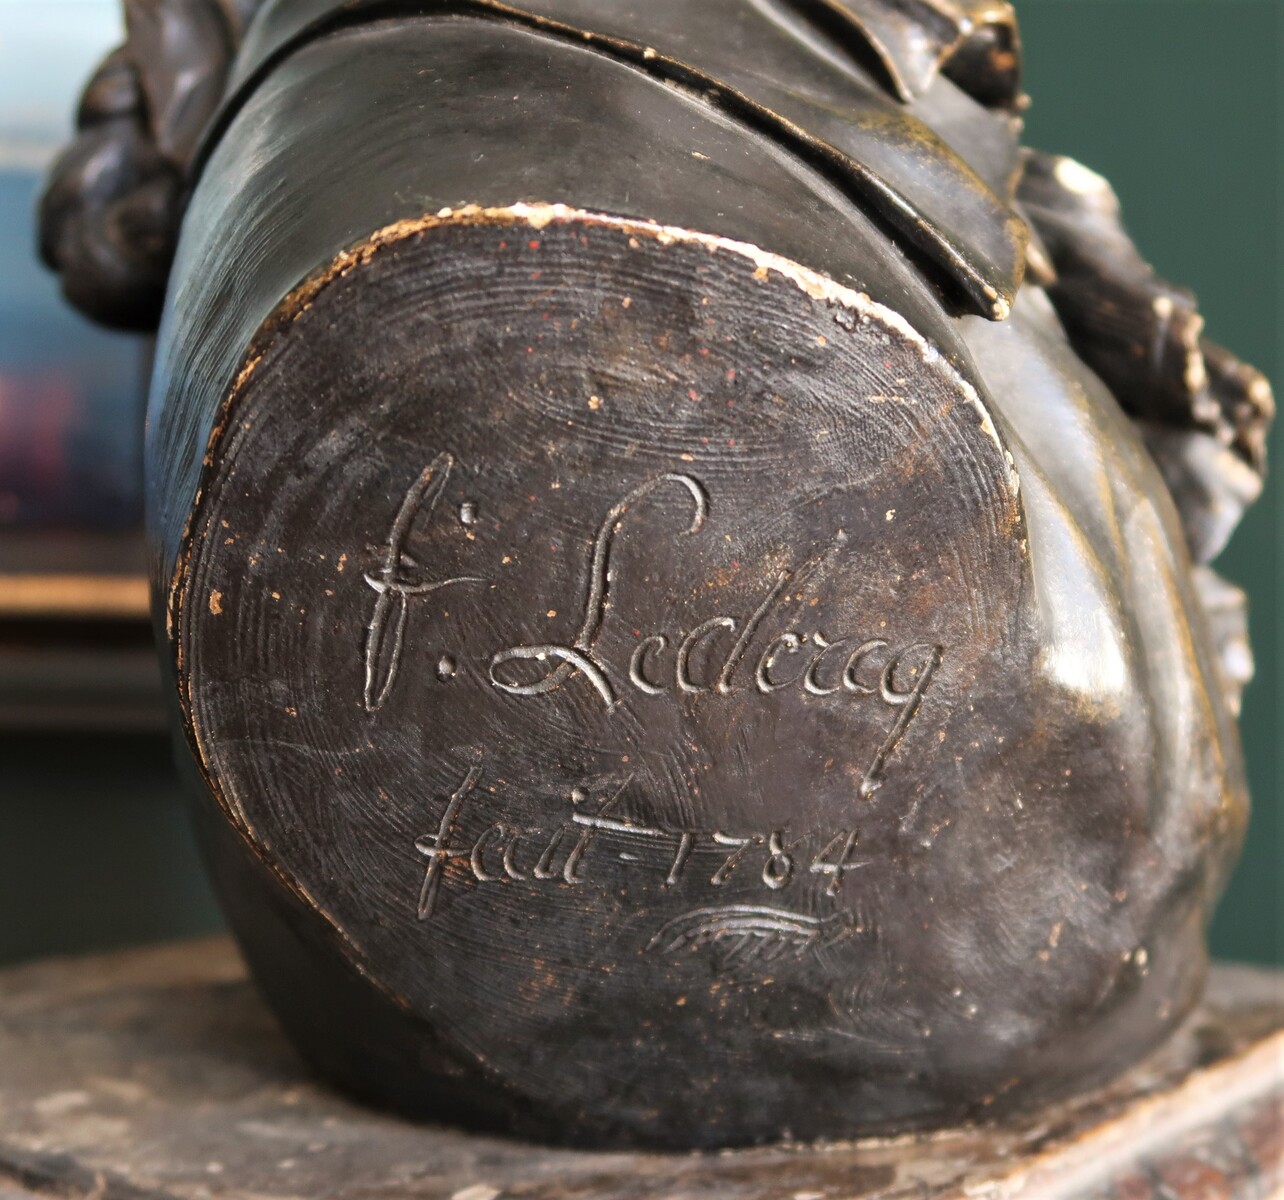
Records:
x=386, y=633
x=577, y=657
x=744, y=932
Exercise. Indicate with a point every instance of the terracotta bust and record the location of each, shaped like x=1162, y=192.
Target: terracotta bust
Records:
x=682, y=553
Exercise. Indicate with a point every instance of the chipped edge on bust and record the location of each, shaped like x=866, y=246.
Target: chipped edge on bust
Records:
x=536, y=216
x=540, y=215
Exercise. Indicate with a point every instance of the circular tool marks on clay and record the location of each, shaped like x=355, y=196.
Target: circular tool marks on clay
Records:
x=579, y=615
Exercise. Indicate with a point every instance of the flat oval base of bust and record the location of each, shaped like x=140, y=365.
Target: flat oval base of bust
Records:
x=594, y=626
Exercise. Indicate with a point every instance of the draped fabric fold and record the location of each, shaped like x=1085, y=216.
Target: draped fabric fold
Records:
x=974, y=41
x=1205, y=415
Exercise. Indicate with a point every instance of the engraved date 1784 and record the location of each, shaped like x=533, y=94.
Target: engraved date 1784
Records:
x=504, y=852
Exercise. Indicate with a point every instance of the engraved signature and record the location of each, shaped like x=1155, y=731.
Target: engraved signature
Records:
x=578, y=655
x=661, y=663
x=386, y=633
x=434, y=848
x=832, y=668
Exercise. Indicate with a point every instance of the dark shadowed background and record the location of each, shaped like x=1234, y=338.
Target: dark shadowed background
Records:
x=1176, y=101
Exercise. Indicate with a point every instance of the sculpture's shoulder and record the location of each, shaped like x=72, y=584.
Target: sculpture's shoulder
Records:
x=911, y=112
x=913, y=117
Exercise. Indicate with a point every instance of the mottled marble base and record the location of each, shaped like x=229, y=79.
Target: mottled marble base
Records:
x=158, y=1073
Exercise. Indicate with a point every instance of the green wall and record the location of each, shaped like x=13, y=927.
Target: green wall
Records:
x=1177, y=101
x=96, y=851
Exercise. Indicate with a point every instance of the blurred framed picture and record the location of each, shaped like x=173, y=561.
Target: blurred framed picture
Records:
x=75, y=640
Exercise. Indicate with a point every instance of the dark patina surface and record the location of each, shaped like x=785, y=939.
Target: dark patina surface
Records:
x=664, y=522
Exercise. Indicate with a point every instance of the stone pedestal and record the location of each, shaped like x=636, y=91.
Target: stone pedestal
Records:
x=158, y=1074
